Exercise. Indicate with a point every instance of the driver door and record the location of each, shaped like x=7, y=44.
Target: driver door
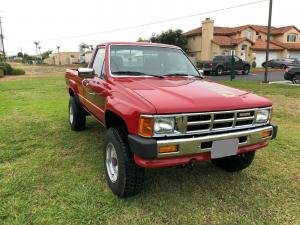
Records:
x=96, y=88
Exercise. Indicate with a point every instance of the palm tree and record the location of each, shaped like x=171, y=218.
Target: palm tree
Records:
x=36, y=46
x=82, y=47
x=58, y=47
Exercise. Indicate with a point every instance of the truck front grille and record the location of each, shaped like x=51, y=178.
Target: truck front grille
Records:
x=215, y=121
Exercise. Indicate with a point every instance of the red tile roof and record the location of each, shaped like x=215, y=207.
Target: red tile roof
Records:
x=227, y=41
x=262, y=45
x=234, y=30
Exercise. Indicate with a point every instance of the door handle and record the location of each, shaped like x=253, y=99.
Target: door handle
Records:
x=91, y=93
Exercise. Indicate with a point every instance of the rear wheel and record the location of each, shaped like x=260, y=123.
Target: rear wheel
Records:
x=246, y=70
x=219, y=70
x=296, y=78
x=234, y=163
x=124, y=177
x=76, y=115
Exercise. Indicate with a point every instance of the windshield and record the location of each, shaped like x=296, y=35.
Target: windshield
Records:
x=149, y=60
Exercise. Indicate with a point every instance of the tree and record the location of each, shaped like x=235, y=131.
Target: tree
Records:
x=46, y=54
x=83, y=46
x=172, y=37
x=20, y=54
x=36, y=43
x=142, y=40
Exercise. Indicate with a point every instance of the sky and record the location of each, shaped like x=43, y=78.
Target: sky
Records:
x=68, y=23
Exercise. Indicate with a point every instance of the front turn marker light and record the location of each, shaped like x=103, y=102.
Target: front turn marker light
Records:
x=168, y=149
x=266, y=134
x=146, y=126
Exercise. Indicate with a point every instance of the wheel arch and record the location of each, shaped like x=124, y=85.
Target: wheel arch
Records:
x=113, y=119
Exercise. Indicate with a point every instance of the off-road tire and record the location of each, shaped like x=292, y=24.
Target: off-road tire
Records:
x=246, y=70
x=234, y=163
x=130, y=177
x=76, y=115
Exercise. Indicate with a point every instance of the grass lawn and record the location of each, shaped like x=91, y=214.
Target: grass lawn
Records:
x=52, y=175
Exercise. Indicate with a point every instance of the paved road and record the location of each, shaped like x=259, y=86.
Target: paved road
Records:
x=258, y=76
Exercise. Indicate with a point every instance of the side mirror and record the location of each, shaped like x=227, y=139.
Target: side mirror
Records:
x=201, y=73
x=86, y=72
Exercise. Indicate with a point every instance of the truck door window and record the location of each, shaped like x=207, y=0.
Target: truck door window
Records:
x=98, y=61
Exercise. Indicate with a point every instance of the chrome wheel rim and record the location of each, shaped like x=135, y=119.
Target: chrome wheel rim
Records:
x=111, y=162
x=71, y=116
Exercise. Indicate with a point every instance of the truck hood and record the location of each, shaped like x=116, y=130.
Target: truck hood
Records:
x=182, y=94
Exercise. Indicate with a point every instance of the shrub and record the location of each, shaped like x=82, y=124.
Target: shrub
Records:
x=6, y=68
x=17, y=71
x=1, y=72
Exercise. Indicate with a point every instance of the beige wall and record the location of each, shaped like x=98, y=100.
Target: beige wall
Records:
x=283, y=38
x=194, y=45
x=65, y=58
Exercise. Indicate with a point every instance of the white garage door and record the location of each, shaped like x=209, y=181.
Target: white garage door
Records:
x=261, y=57
x=294, y=54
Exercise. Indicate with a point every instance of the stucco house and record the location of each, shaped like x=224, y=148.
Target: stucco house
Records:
x=247, y=41
x=63, y=58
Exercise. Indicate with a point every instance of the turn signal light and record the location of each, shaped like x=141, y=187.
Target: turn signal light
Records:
x=168, y=149
x=265, y=134
x=146, y=126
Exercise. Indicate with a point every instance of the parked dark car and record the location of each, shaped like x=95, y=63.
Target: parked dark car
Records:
x=222, y=64
x=281, y=63
x=293, y=74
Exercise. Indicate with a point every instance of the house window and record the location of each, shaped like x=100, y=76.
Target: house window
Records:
x=248, y=34
x=291, y=37
x=259, y=37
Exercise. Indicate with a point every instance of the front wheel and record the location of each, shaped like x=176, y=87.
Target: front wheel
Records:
x=246, y=70
x=234, y=163
x=124, y=177
x=219, y=70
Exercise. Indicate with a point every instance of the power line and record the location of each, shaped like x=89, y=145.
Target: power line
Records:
x=152, y=23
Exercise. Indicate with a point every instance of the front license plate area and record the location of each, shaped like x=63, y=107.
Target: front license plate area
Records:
x=224, y=148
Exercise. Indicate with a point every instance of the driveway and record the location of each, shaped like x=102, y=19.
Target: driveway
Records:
x=273, y=76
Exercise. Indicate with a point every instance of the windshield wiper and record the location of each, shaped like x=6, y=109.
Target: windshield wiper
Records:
x=136, y=73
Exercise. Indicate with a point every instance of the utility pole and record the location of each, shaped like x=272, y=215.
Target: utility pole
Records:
x=268, y=42
x=1, y=36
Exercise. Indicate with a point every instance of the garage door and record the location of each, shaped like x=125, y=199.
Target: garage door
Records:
x=261, y=57
x=295, y=54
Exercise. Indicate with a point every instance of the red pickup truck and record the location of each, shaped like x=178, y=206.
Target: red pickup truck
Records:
x=159, y=112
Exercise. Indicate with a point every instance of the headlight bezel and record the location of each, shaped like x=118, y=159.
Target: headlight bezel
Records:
x=263, y=115
x=161, y=123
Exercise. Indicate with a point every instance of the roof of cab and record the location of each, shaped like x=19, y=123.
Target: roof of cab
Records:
x=139, y=44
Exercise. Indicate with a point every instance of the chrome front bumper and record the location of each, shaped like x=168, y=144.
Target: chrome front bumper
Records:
x=194, y=145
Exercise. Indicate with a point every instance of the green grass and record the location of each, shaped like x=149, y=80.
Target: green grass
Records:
x=52, y=175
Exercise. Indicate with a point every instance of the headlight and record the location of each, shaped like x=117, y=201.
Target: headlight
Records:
x=262, y=115
x=164, y=125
